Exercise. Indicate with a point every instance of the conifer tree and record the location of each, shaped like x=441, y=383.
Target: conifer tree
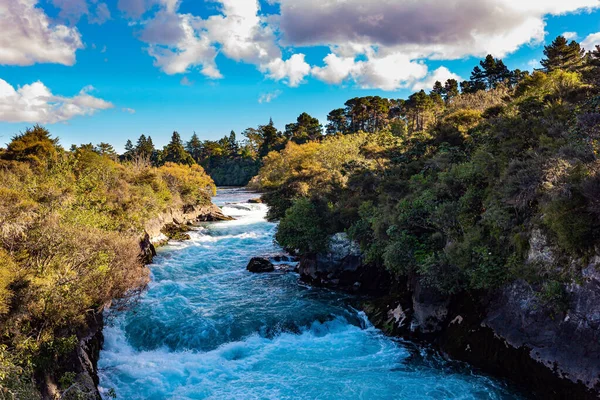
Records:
x=561, y=54
x=175, y=152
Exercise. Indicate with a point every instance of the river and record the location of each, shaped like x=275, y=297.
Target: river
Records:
x=208, y=329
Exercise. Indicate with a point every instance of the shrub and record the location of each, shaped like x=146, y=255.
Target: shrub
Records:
x=302, y=228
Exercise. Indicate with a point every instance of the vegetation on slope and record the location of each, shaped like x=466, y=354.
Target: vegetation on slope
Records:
x=69, y=244
x=449, y=185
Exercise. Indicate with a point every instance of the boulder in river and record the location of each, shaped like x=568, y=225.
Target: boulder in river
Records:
x=257, y=200
x=259, y=264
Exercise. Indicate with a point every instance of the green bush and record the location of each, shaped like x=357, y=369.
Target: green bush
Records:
x=302, y=228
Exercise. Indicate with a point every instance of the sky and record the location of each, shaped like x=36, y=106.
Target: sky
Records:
x=110, y=70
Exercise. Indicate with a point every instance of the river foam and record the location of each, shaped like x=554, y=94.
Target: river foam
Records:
x=208, y=329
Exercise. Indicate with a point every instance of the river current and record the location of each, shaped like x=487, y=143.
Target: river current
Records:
x=208, y=329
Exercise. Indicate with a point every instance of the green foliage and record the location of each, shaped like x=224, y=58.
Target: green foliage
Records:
x=69, y=244
x=302, y=228
x=451, y=193
x=562, y=55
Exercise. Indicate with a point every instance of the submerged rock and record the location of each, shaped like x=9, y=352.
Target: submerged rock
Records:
x=259, y=264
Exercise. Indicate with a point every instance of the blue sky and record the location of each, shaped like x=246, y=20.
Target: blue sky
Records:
x=124, y=76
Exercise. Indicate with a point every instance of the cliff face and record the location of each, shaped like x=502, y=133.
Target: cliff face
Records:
x=513, y=332
x=82, y=361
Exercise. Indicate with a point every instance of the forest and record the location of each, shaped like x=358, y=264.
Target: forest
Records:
x=448, y=186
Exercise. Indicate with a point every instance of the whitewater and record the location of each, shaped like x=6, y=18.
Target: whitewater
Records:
x=208, y=329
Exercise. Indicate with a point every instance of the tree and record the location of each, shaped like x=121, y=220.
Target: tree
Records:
x=145, y=147
x=233, y=146
x=175, y=152
x=272, y=139
x=305, y=129
x=194, y=147
x=592, y=74
x=561, y=54
x=34, y=145
x=438, y=88
x=338, y=122
x=450, y=90
x=106, y=149
x=129, y=151
x=489, y=74
x=418, y=105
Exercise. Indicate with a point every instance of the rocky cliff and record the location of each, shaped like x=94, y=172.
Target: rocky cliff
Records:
x=552, y=351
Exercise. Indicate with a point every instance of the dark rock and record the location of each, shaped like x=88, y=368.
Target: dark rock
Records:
x=259, y=264
x=257, y=200
x=147, y=249
x=342, y=267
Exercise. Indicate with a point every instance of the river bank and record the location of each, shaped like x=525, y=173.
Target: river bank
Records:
x=207, y=328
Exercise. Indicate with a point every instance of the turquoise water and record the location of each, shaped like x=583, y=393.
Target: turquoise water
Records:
x=207, y=329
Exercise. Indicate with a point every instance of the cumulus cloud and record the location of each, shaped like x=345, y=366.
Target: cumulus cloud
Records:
x=427, y=28
x=336, y=70
x=128, y=110
x=292, y=71
x=570, y=35
x=35, y=103
x=182, y=48
x=591, y=41
x=29, y=37
x=179, y=42
x=375, y=44
x=442, y=74
x=268, y=97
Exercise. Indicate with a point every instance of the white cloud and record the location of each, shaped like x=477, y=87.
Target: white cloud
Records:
x=28, y=36
x=570, y=35
x=292, y=71
x=442, y=74
x=128, y=110
x=336, y=70
x=179, y=42
x=390, y=72
x=591, y=41
x=184, y=50
x=382, y=44
x=35, y=103
x=268, y=97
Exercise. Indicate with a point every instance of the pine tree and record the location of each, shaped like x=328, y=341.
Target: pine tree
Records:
x=106, y=149
x=438, y=88
x=450, y=90
x=233, y=144
x=194, y=147
x=338, y=122
x=129, y=151
x=272, y=139
x=144, y=147
x=306, y=128
x=175, y=152
x=562, y=55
